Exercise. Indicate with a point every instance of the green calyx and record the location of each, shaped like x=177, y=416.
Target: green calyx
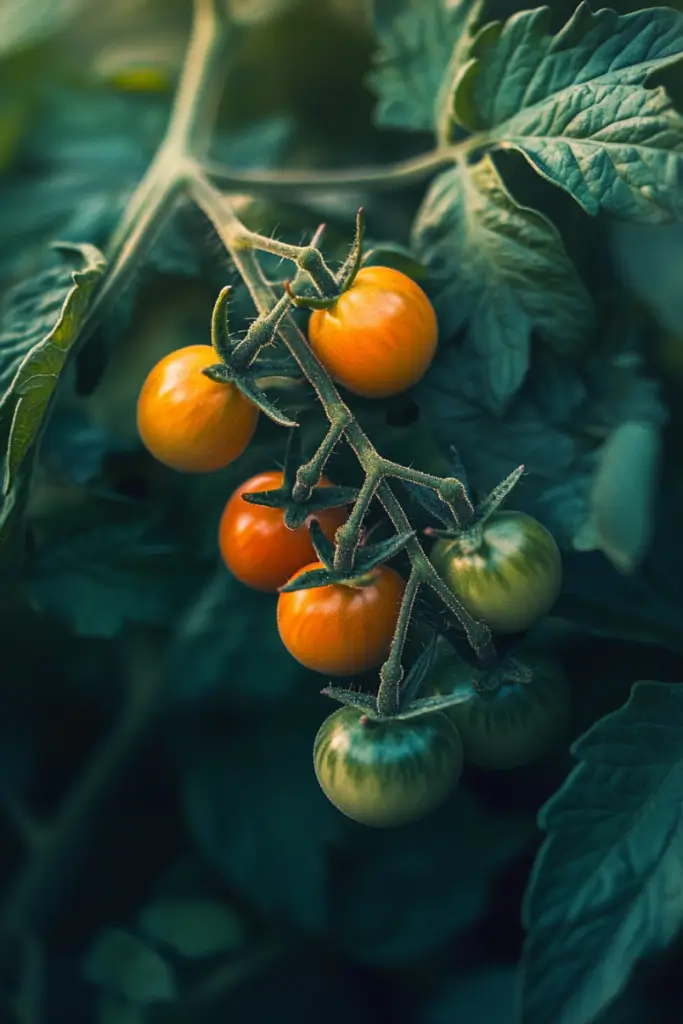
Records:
x=299, y=508
x=240, y=365
x=367, y=559
x=469, y=537
x=310, y=261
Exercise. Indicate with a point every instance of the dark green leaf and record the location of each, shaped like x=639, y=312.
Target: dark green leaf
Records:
x=257, y=811
x=312, y=578
x=546, y=427
x=604, y=891
x=293, y=459
x=128, y=967
x=376, y=554
x=392, y=254
x=430, y=501
x=622, y=496
x=351, y=698
x=36, y=377
x=107, y=565
x=419, y=55
x=193, y=928
x=324, y=548
x=417, y=674
x=277, y=497
x=257, y=396
x=500, y=268
x=227, y=648
x=84, y=156
x=575, y=104
x=328, y=497
x=442, y=869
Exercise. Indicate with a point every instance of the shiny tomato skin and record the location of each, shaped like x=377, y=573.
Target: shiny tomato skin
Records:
x=385, y=773
x=191, y=423
x=515, y=725
x=339, y=629
x=255, y=544
x=512, y=579
x=379, y=337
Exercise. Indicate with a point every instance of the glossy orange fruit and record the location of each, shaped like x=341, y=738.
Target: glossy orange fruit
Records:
x=380, y=335
x=341, y=629
x=189, y=422
x=256, y=545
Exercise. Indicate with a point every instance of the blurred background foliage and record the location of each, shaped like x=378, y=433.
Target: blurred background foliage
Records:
x=214, y=881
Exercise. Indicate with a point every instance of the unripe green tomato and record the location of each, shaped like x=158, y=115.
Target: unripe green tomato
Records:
x=511, y=578
x=386, y=772
x=515, y=725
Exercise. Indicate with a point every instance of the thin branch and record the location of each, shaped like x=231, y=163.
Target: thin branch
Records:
x=392, y=176
x=391, y=673
x=308, y=475
x=348, y=535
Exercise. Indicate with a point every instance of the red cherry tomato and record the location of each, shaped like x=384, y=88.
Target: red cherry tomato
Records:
x=256, y=545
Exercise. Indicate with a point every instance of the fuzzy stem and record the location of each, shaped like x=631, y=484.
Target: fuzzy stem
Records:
x=229, y=228
x=391, y=673
x=186, y=139
x=450, y=489
x=348, y=535
x=308, y=475
x=306, y=257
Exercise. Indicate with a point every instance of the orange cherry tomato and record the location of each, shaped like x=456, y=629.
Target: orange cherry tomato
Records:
x=380, y=335
x=189, y=422
x=341, y=629
x=256, y=545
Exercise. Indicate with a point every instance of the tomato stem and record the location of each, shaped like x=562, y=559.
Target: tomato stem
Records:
x=309, y=474
x=391, y=673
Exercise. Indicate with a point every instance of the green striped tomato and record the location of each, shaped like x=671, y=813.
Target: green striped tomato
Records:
x=509, y=577
x=514, y=725
x=386, y=772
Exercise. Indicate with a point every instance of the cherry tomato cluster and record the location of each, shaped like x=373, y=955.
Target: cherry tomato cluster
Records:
x=377, y=339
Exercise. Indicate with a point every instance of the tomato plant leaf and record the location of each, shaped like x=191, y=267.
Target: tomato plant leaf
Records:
x=500, y=268
x=108, y=564
x=225, y=645
x=323, y=547
x=312, y=578
x=621, y=518
x=243, y=792
x=416, y=675
x=604, y=890
x=418, y=56
x=372, y=555
x=194, y=928
x=27, y=397
x=576, y=105
x=126, y=966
